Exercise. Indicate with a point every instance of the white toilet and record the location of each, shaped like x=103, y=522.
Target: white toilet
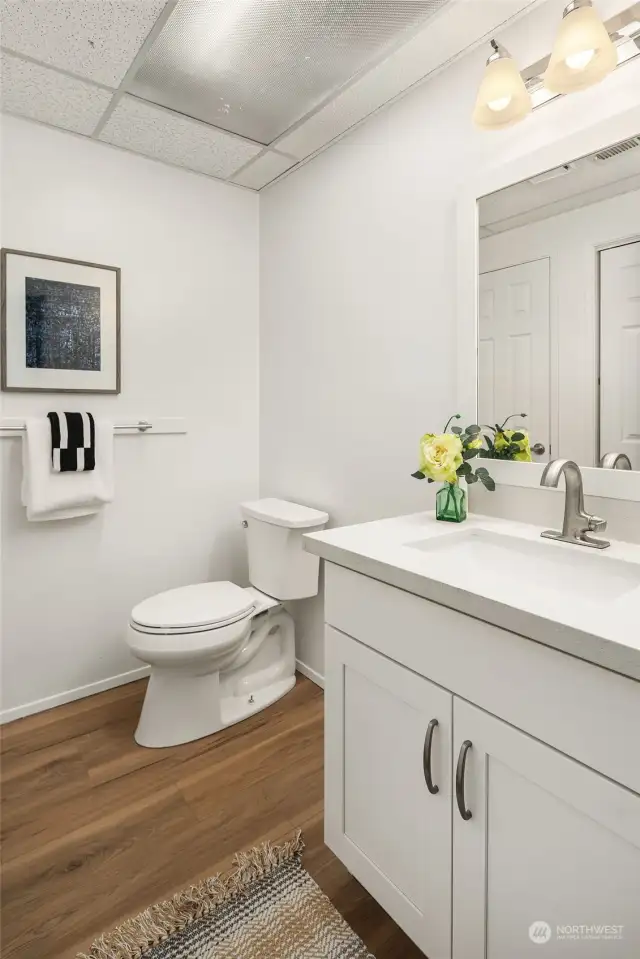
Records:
x=219, y=652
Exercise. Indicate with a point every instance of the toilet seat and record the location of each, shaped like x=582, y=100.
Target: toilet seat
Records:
x=204, y=607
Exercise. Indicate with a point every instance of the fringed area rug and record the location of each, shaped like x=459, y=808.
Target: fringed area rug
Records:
x=266, y=907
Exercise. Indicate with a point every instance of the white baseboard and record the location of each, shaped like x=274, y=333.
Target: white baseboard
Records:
x=17, y=712
x=39, y=705
x=311, y=674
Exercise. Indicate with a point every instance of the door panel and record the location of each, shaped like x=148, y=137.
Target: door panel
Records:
x=380, y=818
x=552, y=848
x=620, y=351
x=513, y=348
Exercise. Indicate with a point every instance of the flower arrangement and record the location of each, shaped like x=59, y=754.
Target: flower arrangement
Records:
x=444, y=457
x=507, y=444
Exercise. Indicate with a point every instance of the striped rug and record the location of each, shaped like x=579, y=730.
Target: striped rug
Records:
x=266, y=907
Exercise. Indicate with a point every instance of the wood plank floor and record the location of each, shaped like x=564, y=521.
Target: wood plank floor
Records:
x=96, y=828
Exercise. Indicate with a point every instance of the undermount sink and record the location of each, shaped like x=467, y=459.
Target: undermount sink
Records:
x=499, y=559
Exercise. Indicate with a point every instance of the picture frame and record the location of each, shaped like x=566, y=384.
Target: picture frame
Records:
x=59, y=324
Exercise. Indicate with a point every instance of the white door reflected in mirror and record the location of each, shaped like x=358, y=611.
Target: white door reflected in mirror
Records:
x=513, y=349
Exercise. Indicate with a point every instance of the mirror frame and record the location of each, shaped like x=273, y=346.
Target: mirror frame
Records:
x=612, y=484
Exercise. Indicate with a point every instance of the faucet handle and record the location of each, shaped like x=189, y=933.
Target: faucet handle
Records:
x=596, y=524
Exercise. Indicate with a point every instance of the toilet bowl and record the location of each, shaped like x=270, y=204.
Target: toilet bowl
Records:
x=220, y=652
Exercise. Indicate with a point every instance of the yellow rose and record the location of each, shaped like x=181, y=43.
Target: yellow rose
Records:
x=503, y=439
x=476, y=442
x=440, y=456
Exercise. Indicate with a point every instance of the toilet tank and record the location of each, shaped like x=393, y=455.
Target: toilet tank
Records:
x=278, y=563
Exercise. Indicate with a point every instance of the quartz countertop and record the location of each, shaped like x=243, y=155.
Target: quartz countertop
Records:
x=559, y=605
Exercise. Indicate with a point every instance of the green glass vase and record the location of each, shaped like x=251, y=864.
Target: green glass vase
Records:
x=451, y=504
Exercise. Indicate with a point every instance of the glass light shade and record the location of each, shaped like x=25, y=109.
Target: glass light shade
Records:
x=503, y=98
x=583, y=53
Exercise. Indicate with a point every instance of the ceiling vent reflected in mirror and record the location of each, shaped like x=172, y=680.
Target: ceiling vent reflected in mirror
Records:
x=632, y=144
x=255, y=68
x=607, y=173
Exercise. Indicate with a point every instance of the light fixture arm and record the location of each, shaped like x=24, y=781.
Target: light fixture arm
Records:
x=575, y=5
x=499, y=52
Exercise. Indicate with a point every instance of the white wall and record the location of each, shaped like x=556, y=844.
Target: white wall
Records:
x=358, y=255
x=570, y=241
x=188, y=249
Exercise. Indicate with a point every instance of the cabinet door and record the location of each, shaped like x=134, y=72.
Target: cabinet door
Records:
x=381, y=820
x=550, y=855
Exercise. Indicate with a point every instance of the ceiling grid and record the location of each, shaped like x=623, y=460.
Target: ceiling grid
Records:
x=232, y=89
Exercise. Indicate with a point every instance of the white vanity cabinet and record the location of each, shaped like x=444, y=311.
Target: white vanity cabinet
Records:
x=552, y=840
x=549, y=842
x=388, y=786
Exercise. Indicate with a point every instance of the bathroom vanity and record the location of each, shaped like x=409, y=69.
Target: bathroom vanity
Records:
x=483, y=734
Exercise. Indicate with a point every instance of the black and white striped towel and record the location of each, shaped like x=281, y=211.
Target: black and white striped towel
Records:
x=73, y=442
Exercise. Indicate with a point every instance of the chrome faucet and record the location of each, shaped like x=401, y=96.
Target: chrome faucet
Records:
x=615, y=461
x=577, y=523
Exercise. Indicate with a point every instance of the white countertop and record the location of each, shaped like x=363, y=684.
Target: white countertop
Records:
x=604, y=631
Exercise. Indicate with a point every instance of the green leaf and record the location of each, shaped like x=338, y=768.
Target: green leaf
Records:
x=429, y=480
x=516, y=437
x=473, y=430
x=488, y=441
x=456, y=429
x=469, y=454
x=482, y=471
x=488, y=482
x=464, y=469
x=471, y=478
x=418, y=475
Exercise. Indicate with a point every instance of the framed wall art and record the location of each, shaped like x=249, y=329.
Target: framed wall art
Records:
x=60, y=324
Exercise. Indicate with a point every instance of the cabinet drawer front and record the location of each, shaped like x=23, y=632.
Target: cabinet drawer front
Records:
x=381, y=819
x=549, y=843
x=581, y=709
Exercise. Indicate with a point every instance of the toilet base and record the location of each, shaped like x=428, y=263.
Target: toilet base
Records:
x=236, y=708
x=177, y=712
x=183, y=703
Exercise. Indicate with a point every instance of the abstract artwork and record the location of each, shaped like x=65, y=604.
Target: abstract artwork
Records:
x=63, y=325
x=60, y=324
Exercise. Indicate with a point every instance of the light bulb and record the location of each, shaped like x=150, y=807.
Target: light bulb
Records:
x=583, y=53
x=578, y=61
x=501, y=104
x=503, y=98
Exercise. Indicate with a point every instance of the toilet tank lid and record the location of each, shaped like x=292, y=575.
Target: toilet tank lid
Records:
x=279, y=512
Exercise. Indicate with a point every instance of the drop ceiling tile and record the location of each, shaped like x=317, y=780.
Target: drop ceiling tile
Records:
x=97, y=40
x=30, y=90
x=263, y=170
x=168, y=136
x=255, y=67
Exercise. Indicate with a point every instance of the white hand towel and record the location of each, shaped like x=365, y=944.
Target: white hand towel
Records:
x=48, y=495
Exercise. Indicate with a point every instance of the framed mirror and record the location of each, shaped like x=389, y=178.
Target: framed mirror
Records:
x=549, y=310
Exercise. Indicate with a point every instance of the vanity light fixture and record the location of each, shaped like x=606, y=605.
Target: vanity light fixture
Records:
x=583, y=53
x=503, y=98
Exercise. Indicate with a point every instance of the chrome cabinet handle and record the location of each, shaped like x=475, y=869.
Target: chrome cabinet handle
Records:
x=538, y=449
x=426, y=758
x=460, y=768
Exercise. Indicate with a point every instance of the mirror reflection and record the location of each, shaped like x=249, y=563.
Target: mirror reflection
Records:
x=559, y=313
